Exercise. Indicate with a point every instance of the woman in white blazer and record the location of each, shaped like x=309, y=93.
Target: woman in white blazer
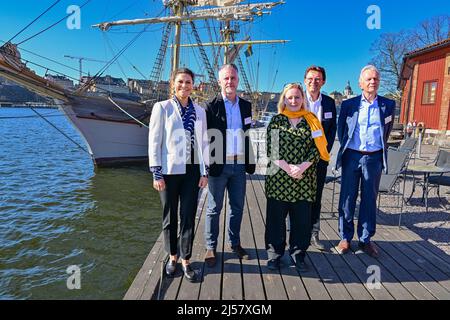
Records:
x=178, y=158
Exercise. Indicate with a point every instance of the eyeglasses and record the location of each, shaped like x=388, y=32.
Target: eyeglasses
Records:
x=314, y=79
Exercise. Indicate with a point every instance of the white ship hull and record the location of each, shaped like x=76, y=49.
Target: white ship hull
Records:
x=111, y=143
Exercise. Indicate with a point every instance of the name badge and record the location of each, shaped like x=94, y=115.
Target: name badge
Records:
x=316, y=134
x=248, y=120
x=387, y=119
x=328, y=115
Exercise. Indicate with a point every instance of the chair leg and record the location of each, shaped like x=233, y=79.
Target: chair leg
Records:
x=332, y=199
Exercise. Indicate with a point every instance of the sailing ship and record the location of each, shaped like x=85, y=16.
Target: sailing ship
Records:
x=115, y=130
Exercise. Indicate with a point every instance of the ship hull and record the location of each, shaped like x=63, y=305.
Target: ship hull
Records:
x=113, y=138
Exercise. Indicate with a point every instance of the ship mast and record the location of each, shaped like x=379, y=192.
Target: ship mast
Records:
x=178, y=9
x=224, y=12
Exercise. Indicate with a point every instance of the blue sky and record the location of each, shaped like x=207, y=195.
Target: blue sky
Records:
x=332, y=34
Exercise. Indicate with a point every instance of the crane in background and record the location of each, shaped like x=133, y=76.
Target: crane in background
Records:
x=80, y=61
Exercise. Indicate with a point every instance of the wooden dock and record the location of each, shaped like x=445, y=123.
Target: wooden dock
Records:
x=410, y=267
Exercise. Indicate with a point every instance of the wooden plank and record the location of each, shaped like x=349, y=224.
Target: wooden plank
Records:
x=189, y=290
x=391, y=284
x=232, y=285
x=251, y=271
x=328, y=276
x=150, y=266
x=434, y=249
x=435, y=260
x=272, y=281
x=310, y=279
x=211, y=287
x=351, y=282
x=421, y=276
x=392, y=263
x=420, y=261
x=354, y=264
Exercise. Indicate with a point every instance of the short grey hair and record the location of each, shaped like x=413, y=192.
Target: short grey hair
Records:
x=229, y=65
x=368, y=67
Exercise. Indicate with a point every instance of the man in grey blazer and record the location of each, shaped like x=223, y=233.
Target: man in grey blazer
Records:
x=364, y=125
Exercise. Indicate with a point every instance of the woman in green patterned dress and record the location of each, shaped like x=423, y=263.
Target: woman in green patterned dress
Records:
x=295, y=142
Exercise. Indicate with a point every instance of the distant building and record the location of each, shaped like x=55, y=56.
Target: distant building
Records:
x=141, y=87
x=62, y=81
x=425, y=86
x=348, y=92
x=337, y=96
x=107, y=84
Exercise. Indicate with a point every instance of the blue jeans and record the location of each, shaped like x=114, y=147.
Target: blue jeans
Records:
x=232, y=179
x=365, y=171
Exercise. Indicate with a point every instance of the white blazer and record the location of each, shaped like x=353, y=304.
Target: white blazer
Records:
x=167, y=138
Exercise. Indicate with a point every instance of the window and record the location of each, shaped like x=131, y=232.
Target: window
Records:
x=429, y=92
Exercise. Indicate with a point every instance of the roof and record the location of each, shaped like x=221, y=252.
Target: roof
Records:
x=404, y=74
x=431, y=47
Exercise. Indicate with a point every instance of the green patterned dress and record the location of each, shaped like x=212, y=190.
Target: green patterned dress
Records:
x=294, y=145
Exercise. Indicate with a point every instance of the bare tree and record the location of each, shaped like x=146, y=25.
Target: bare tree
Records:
x=390, y=48
x=433, y=30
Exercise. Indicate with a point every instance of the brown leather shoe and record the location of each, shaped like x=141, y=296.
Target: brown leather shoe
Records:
x=210, y=258
x=343, y=247
x=369, y=248
x=240, y=252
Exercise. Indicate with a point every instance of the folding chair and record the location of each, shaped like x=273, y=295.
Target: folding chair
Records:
x=390, y=182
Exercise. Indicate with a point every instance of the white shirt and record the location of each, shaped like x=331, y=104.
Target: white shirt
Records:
x=234, y=133
x=314, y=106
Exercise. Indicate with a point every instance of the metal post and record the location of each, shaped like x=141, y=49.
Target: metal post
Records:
x=419, y=146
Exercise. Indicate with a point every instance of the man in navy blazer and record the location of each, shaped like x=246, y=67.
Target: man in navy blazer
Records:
x=325, y=110
x=364, y=125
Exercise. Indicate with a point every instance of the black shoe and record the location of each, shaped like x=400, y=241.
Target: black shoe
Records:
x=273, y=264
x=300, y=264
x=240, y=252
x=316, y=242
x=189, y=273
x=171, y=266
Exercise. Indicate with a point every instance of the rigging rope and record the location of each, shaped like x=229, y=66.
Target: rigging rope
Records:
x=60, y=131
x=28, y=25
x=51, y=26
x=128, y=114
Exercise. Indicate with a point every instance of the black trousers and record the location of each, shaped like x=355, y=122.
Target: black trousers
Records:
x=182, y=188
x=300, y=227
x=317, y=205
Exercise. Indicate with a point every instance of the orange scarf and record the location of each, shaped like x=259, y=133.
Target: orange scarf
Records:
x=315, y=125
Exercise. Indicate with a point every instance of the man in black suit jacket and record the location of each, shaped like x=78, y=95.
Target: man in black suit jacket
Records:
x=229, y=119
x=325, y=109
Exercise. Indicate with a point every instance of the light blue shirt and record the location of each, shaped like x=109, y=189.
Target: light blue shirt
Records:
x=367, y=134
x=235, y=132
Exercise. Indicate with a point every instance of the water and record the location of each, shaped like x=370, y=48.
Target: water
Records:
x=57, y=211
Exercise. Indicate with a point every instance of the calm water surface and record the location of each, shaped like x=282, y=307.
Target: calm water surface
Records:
x=57, y=211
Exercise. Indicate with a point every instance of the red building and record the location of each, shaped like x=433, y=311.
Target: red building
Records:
x=425, y=83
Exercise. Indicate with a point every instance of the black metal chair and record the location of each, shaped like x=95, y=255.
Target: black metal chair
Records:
x=390, y=183
x=333, y=179
x=409, y=146
x=443, y=179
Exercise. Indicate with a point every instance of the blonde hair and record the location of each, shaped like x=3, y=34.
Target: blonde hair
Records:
x=281, y=105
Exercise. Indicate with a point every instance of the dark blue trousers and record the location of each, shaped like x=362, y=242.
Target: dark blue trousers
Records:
x=359, y=172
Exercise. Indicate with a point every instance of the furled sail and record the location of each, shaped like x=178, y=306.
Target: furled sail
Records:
x=219, y=3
